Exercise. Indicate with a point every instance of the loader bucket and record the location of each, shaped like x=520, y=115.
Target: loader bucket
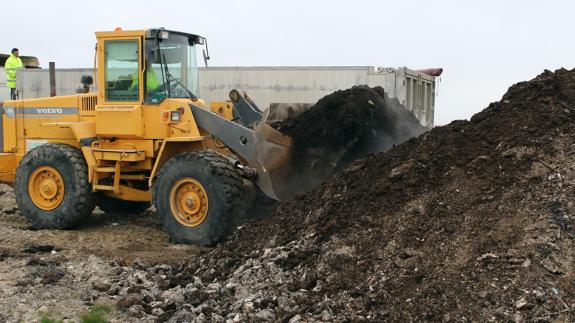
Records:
x=275, y=151
x=264, y=148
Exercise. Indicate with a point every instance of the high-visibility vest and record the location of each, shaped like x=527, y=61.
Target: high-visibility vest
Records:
x=12, y=64
x=151, y=80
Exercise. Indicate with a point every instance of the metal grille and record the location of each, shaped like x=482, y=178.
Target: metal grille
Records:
x=88, y=103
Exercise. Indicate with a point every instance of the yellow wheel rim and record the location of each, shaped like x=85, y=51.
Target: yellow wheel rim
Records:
x=189, y=202
x=46, y=188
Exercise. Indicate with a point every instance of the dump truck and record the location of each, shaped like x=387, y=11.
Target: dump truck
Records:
x=143, y=138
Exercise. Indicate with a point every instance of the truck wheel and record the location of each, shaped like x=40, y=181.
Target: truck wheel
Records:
x=112, y=205
x=52, y=188
x=198, y=195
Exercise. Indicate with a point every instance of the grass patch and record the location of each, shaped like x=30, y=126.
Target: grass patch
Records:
x=101, y=308
x=97, y=314
x=45, y=318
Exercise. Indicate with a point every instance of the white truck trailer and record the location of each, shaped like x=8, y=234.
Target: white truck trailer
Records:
x=265, y=85
x=4, y=91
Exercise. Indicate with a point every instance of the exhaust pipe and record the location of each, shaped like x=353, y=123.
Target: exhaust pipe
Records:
x=52, y=71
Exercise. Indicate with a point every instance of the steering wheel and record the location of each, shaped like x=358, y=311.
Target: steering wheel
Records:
x=172, y=82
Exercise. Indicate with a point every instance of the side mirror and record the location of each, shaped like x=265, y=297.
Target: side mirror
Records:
x=206, y=53
x=199, y=40
x=206, y=57
x=86, y=80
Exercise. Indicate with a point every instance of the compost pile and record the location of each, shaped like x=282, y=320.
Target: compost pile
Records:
x=342, y=127
x=473, y=221
x=346, y=117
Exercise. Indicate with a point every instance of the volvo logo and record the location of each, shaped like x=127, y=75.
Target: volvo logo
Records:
x=49, y=110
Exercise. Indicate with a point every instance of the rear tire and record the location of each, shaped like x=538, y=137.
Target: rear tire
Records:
x=112, y=205
x=52, y=188
x=198, y=197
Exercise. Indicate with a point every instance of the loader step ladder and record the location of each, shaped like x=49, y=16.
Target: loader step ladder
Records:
x=106, y=170
x=128, y=155
x=109, y=161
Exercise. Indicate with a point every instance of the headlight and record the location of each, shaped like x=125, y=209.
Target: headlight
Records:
x=175, y=116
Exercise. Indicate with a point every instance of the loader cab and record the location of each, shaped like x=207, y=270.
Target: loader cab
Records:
x=146, y=66
x=171, y=57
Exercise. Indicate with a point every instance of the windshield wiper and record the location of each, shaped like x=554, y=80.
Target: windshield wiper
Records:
x=174, y=79
x=167, y=74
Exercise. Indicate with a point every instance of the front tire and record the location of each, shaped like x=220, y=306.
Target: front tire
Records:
x=198, y=196
x=51, y=187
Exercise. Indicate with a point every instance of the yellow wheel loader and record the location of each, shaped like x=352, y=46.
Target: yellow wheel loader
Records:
x=143, y=138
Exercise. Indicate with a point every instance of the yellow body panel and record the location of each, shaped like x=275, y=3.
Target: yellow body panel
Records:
x=119, y=155
x=8, y=165
x=224, y=109
x=147, y=146
x=120, y=34
x=120, y=121
x=80, y=130
x=130, y=194
x=9, y=131
x=38, y=111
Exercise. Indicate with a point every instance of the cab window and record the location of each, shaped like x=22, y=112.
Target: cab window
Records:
x=121, y=66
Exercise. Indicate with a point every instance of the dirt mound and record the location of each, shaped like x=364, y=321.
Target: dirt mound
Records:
x=473, y=221
x=342, y=127
x=345, y=117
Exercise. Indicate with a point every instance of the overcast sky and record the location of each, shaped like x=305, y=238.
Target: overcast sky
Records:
x=484, y=46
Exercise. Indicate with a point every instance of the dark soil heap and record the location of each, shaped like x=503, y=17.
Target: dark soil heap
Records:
x=345, y=117
x=473, y=221
x=342, y=127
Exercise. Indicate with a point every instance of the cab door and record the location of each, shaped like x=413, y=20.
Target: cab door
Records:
x=120, y=113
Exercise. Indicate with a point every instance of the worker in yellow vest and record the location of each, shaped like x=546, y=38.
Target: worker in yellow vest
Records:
x=12, y=64
x=151, y=79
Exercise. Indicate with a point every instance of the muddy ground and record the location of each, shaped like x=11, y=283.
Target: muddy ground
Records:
x=55, y=271
x=473, y=221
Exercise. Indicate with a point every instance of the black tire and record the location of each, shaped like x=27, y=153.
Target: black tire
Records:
x=77, y=202
x=112, y=205
x=224, y=189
